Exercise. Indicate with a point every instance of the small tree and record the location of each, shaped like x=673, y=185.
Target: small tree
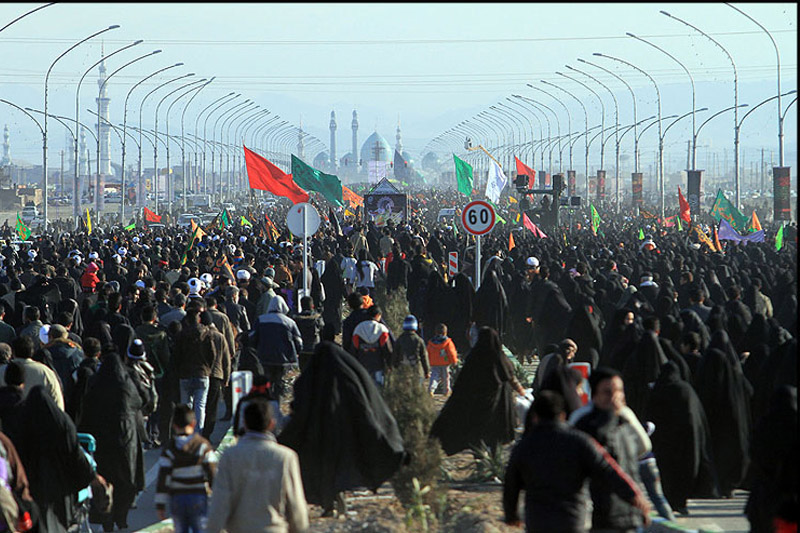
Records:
x=414, y=411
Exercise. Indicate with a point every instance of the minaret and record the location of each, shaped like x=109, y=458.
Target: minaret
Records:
x=333, y=139
x=354, y=125
x=300, y=141
x=399, y=145
x=6, y=148
x=103, y=130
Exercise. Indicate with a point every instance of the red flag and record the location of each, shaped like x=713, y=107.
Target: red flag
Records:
x=149, y=216
x=522, y=168
x=533, y=227
x=686, y=215
x=266, y=176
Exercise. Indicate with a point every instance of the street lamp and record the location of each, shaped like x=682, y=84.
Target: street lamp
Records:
x=222, y=101
x=527, y=118
x=778, y=68
x=167, y=188
x=76, y=202
x=245, y=120
x=183, y=160
x=214, y=183
x=586, y=130
x=46, y=79
x=602, y=112
x=229, y=122
x=155, y=145
x=98, y=197
x=141, y=196
x=569, y=123
x=31, y=12
x=616, y=134
x=196, y=127
x=535, y=103
x=534, y=107
x=660, y=137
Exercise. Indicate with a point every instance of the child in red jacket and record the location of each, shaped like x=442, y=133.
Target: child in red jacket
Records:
x=441, y=354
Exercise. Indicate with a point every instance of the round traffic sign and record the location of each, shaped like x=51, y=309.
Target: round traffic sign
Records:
x=294, y=219
x=478, y=217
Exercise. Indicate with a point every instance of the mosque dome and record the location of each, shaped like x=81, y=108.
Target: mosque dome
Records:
x=376, y=148
x=321, y=160
x=348, y=160
x=430, y=161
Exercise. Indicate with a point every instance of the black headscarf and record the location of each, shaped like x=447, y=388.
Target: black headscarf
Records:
x=723, y=392
x=481, y=405
x=341, y=429
x=681, y=440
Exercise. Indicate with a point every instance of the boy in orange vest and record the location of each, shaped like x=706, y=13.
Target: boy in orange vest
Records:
x=441, y=354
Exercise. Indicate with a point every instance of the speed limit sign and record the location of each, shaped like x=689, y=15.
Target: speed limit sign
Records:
x=478, y=217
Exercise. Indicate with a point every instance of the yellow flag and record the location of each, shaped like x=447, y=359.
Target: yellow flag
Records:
x=512, y=200
x=88, y=221
x=755, y=224
x=705, y=238
x=195, y=227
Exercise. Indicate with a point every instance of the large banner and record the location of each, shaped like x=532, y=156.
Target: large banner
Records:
x=781, y=181
x=694, y=191
x=382, y=207
x=636, y=189
x=571, y=182
x=592, y=187
x=601, y=185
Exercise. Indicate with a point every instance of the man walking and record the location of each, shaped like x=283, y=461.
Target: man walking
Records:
x=258, y=486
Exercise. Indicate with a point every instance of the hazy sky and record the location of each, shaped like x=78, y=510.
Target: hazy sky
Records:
x=432, y=65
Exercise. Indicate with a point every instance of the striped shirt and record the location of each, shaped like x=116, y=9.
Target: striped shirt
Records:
x=186, y=466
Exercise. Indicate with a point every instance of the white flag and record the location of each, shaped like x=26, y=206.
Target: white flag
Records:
x=496, y=183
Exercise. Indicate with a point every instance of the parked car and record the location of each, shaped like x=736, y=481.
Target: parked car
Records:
x=185, y=220
x=28, y=214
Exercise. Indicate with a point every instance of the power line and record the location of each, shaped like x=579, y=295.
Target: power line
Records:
x=206, y=42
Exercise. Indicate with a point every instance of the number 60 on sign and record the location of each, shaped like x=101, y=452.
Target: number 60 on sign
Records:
x=478, y=217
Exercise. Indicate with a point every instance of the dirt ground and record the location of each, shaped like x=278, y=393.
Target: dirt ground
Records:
x=471, y=507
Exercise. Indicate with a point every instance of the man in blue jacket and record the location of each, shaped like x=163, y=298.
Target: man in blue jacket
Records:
x=278, y=341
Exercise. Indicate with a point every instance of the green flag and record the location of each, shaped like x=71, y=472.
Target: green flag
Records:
x=311, y=179
x=595, y=219
x=130, y=227
x=497, y=217
x=463, y=176
x=641, y=234
x=779, y=239
x=225, y=218
x=723, y=208
x=191, y=243
x=22, y=230
x=680, y=226
x=245, y=222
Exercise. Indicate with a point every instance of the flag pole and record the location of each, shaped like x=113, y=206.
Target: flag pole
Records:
x=478, y=261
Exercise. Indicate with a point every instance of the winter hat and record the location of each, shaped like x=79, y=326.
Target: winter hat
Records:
x=139, y=283
x=242, y=274
x=532, y=262
x=194, y=286
x=208, y=279
x=410, y=323
x=136, y=350
x=269, y=273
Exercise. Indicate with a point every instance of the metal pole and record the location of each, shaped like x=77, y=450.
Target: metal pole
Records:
x=586, y=131
x=477, y=262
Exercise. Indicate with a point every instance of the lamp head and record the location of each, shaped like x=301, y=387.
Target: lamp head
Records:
x=177, y=65
x=665, y=13
x=114, y=27
x=140, y=41
x=190, y=74
x=629, y=34
x=598, y=54
x=581, y=60
x=560, y=73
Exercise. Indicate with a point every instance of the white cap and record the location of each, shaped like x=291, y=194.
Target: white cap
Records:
x=242, y=239
x=77, y=259
x=136, y=239
x=158, y=239
x=44, y=334
x=195, y=285
x=532, y=262
x=139, y=283
x=207, y=278
x=232, y=248
x=122, y=250
x=32, y=254
x=117, y=258
x=242, y=274
x=94, y=255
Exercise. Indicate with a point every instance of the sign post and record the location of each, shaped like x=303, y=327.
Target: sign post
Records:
x=303, y=219
x=478, y=218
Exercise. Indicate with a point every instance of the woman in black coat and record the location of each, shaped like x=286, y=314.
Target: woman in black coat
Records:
x=481, y=407
x=333, y=283
x=112, y=396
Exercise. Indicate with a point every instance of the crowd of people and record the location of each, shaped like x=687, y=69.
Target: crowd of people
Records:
x=132, y=336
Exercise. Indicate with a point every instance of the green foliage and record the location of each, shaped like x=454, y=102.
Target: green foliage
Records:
x=490, y=463
x=417, y=508
x=414, y=411
x=394, y=307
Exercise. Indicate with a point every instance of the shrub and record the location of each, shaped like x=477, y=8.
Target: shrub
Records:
x=394, y=307
x=414, y=411
x=490, y=462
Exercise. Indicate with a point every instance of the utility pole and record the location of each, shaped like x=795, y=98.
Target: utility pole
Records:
x=761, y=187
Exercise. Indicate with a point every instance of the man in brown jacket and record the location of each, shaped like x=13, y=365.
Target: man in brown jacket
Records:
x=220, y=372
x=194, y=357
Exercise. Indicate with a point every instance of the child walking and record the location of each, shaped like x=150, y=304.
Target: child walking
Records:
x=441, y=354
x=187, y=467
